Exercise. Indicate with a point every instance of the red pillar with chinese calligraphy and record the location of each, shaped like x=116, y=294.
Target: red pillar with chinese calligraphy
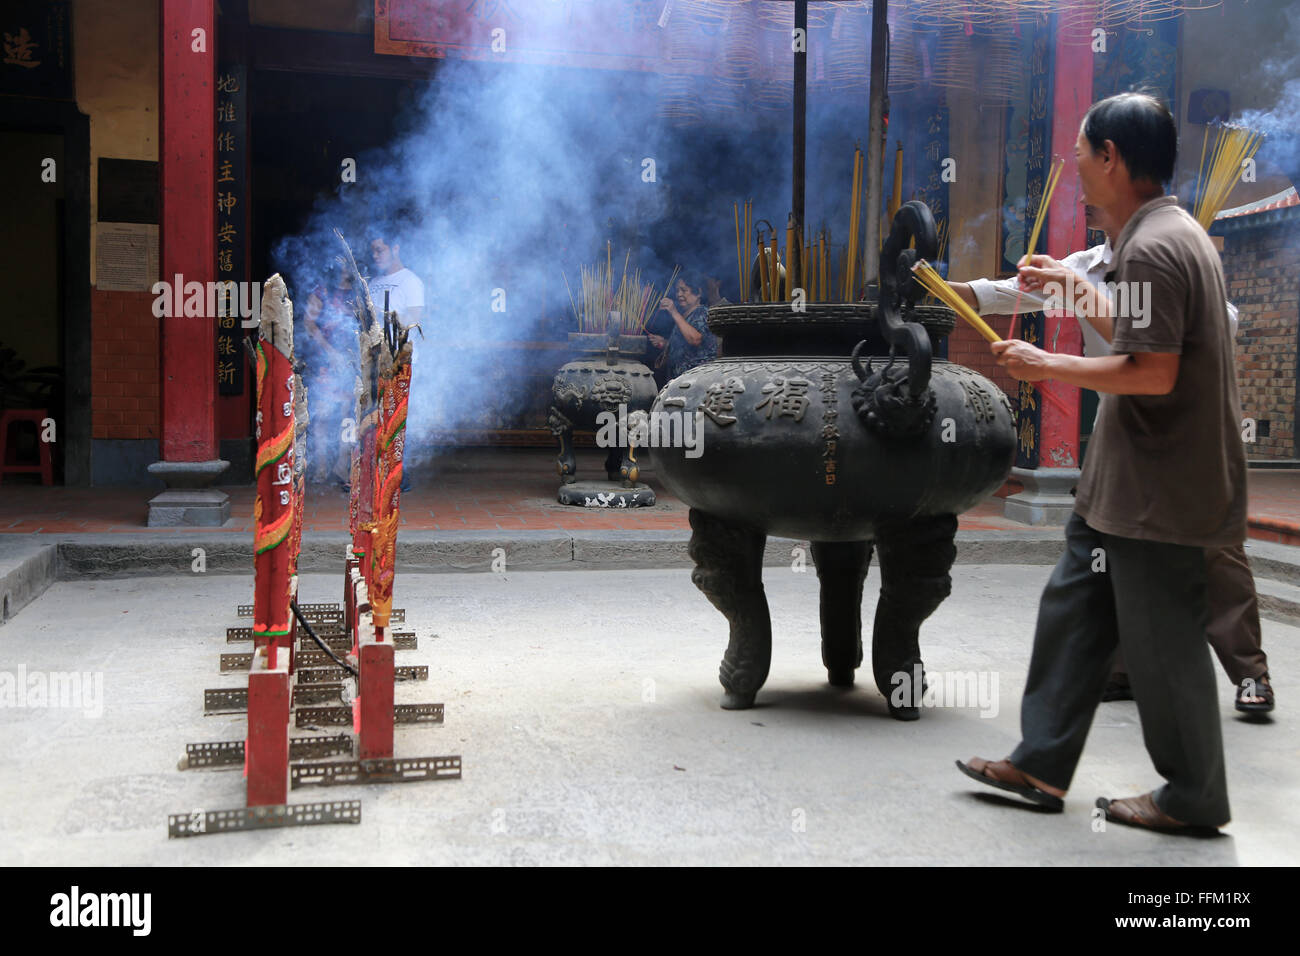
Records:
x=1066, y=233
x=186, y=94
x=1050, y=426
x=187, y=116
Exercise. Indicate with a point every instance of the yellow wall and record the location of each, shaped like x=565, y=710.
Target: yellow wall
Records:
x=975, y=199
x=115, y=45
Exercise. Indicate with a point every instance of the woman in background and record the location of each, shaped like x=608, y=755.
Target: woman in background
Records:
x=690, y=342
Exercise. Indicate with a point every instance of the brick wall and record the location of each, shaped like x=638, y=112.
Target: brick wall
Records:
x=124, y=365
x=1262, y=268
x=967, y=347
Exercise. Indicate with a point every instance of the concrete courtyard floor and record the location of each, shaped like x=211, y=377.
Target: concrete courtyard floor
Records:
x=585, y=706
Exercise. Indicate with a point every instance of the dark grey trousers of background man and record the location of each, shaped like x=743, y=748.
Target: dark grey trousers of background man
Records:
x=1147, y=598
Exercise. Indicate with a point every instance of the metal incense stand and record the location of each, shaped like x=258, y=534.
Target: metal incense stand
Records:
x=346, y=674
x=875, y=134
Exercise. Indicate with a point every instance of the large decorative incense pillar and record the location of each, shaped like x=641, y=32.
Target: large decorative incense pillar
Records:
x=390, y=440
x=187, y=81
x=375, y=647
x=361, y=507
x=300, y=422
x=273, y=514
x=1047, y=460
x=267, y=747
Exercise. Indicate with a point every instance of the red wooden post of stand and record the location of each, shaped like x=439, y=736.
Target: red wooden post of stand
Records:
x=376, y=693
x=267, y=748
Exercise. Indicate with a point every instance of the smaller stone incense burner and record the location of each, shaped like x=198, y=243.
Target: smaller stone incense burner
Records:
x=608, y=376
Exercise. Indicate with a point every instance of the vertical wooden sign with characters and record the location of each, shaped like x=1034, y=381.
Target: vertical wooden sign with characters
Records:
x=230, y=156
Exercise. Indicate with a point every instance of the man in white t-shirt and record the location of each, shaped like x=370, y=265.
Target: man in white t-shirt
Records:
x=404, y=288
x=1233, y=628
x=405, y=297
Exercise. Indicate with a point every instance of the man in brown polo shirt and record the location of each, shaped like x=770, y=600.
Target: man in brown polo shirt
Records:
x=1165, y=478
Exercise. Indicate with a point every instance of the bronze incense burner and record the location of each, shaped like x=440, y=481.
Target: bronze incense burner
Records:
x=607, y=379
x=837, y=425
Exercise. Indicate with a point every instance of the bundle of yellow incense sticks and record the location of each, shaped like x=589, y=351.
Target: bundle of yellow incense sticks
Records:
x=747, y=230
x=1049, y=185
x=740, y=249
x=791, y=258
x=1233, y=146
x=855, y=222
x=773, y=269
x=805, y=268
x=941, y=290
x=824, y=278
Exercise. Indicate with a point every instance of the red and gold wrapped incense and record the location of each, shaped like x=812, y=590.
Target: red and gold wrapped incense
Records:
x=300, y=419
x=273, y=515
x=361, y=497
x=390, y=442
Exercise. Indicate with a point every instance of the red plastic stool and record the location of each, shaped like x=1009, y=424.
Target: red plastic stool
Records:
x=12, y=416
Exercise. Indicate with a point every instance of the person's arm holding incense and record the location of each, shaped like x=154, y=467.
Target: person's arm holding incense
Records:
x=1146, y=362
x=1090, y=303
x=1011, y=296
x=690, y=333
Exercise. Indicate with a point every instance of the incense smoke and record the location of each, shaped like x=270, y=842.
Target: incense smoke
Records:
x=507, y=175
x=1281, y=122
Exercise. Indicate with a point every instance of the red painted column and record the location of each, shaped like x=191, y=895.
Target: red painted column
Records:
x=1066, y=233
x=186, y=94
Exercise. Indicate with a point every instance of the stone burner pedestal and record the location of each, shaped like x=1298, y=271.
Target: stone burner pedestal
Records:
x=1046, y=499
x=606, y=494
x=188, y=501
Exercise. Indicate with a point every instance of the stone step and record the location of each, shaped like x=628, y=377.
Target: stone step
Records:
x=1279, y=562
x=1278, y=600
x=27, y=568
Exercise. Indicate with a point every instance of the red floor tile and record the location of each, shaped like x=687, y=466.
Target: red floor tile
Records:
x=504, y=490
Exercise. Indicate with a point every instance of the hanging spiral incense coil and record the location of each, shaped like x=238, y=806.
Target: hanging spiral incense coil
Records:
x=678, y=100
x=1003, y=75
x=957, y=66
x=739, y=60
x=679, y=88
x=709, y=14
x=905, y=69
x=780, y=15
x=848, y=62
x=773, y=89
x=1144, y=12
x=686, y=38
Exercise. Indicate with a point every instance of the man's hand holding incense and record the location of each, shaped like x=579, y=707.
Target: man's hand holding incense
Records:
x=1077, y=296
x=1037, y=271
x=1023, y=361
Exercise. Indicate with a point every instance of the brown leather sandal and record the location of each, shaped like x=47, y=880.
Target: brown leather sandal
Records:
x=1255, y=695
x=1004, y=776
x=1142, y=813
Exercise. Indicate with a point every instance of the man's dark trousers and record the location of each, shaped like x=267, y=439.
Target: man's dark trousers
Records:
x=1148, y=599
